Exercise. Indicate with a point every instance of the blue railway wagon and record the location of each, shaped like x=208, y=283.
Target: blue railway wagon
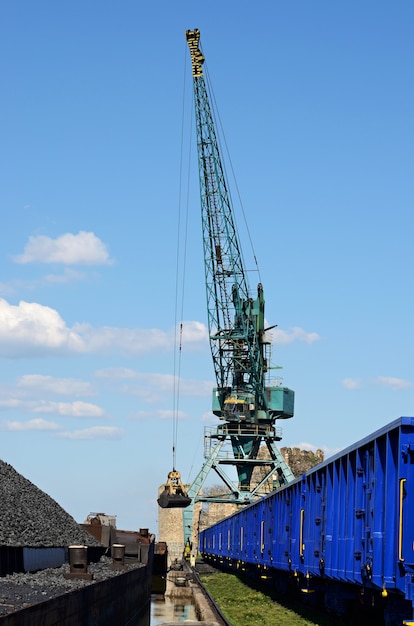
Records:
x=344, y=529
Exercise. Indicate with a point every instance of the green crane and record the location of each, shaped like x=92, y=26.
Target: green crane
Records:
x=244, y=399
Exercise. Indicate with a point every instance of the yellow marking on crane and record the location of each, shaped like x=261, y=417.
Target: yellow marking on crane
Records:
x=197, y=57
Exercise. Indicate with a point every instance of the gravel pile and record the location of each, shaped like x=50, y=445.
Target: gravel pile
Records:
x=18, y=591
x=31, y=518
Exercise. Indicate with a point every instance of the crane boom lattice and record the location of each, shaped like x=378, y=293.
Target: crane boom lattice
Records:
x=244, y=399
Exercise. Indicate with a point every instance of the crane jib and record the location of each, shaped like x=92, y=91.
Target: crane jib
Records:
x=239, y=348
x=246, y=399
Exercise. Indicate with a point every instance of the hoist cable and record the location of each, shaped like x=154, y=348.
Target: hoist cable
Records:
x=178, y=327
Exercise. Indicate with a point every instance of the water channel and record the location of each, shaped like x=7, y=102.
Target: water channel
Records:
x=165, y=609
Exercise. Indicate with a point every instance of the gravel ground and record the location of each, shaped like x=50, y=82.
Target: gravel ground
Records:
x=18, y=591
x=31, y=518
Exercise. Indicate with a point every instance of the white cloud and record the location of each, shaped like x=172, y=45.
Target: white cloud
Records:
x=152, y=387
x=69, y=249
x=30, y=329
x=136, y=340
x=395, y=383
x=10, y=403
x=194, y=332
x=75, y=409
x=351, y=383
x=37, y=383
x=34, y=424
x=116, y=373
x=283, y=337
x=127, y=340
x=70, y=409
x=96, y=432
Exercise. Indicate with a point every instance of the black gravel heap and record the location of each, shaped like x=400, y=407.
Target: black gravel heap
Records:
x=31, y=518
x=18, y=591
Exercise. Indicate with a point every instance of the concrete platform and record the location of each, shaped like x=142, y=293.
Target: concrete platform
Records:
x=190, y=589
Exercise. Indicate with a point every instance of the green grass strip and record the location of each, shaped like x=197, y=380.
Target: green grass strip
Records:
x=243, y=605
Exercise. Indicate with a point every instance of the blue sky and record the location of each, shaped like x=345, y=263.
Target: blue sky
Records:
x=316, y=100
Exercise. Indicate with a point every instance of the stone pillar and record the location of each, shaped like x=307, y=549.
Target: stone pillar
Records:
x=171, y=529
